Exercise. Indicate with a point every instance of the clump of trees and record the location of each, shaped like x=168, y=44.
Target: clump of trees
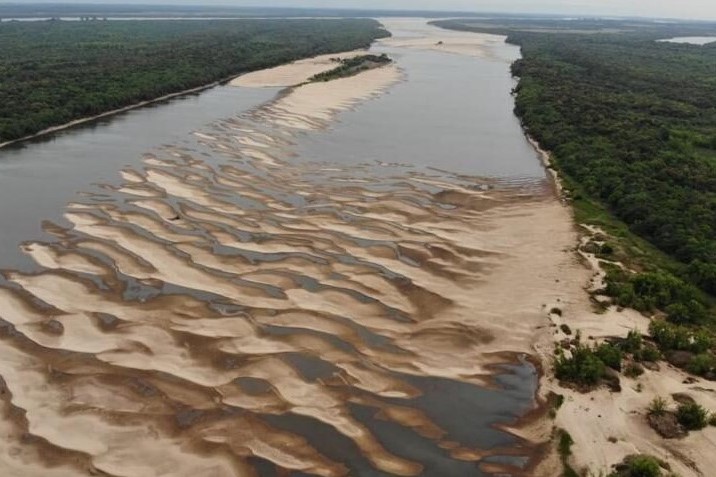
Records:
x=588, y=366
x=353, y=66
x=582, y=367
x=56, y=72
x=670, y=424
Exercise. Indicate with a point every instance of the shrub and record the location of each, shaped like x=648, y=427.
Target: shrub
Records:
x=565, y=443
x=565, y=329
x=633, y=342
x=659, y=290
x=674, y=337
x=704, y=275
x=643, y=466
x=634, y=370
x=689, y=313
x=701, y=364
x=610, y=355
x=647, y=353
x=583, y=367
x=712, y=420
x=606, y=249
x=657, y=407
x=692, y=416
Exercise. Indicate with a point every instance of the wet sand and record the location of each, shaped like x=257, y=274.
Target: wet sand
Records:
x=257, y=314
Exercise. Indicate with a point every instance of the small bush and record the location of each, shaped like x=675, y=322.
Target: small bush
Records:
x=647, y=353
x=583, y=367
x=678, y=338
x=657, y=407
x=633, y=342
x=712, y=420
x=606, y=249
x=610, y=355
x=634, y=370
x=555, y=311
x=564, y=444
x=692, y=416
x=566, y=330
x=701, y=364
x=643, y=466
x=689, y=313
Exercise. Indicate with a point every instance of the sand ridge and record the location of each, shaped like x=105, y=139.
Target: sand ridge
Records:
x=292, y=74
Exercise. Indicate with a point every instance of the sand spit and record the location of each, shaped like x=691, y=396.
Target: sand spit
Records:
x=416, y=35
x=292, y=74
x=312, y=106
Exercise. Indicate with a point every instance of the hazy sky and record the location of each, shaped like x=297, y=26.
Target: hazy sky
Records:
x=694, y=9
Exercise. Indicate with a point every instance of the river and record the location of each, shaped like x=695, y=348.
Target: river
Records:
x=246, y=297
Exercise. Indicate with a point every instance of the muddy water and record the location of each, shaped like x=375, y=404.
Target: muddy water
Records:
x=253, y=299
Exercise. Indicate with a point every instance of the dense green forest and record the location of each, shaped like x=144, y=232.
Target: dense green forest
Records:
x=52, y=72
x=631, y=125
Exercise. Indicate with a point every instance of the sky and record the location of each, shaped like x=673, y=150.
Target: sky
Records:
x=692, y=9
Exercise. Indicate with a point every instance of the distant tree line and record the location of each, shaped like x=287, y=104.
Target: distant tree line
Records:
x=55, y=72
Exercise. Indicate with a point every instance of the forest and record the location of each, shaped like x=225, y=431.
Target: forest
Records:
x=53, y=72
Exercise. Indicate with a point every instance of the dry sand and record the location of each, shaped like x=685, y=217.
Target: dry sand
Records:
x=414, y=33
x=294, y=73
x=597, y=418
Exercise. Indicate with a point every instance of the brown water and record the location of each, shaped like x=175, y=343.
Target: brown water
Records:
x=295, y=303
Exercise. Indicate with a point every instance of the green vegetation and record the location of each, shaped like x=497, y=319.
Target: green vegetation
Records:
x=564, y=448
x=583, y=367
x=658, y=406
x=633, y=370
x=692, y=416
x=54, y=72
x=610, y=355
x=639, y=466
x=631, y=125
x=353, y=66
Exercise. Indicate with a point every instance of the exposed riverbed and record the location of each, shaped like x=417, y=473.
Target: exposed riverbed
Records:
x=338, y=281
